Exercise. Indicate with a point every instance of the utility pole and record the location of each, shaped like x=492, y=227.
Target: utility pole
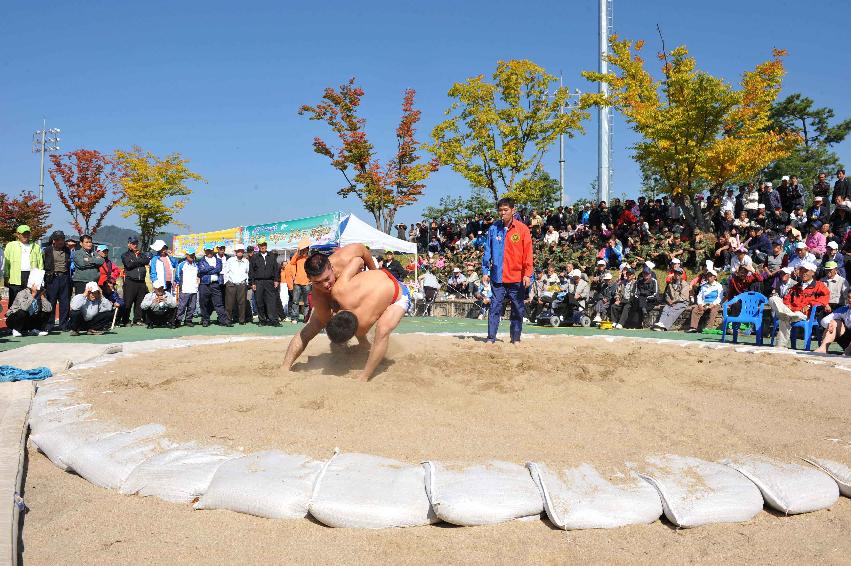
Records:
x=44, y=140
x=561, y=151
x=604, y=113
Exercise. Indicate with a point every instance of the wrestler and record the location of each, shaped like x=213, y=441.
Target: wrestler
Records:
x=360, y=300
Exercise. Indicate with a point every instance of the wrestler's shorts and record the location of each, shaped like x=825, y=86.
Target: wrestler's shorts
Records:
x=404, y=300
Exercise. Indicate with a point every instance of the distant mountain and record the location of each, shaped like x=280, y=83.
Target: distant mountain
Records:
x=116, y=237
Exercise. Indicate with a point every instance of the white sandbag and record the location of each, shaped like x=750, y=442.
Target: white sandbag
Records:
x=266, y=484
x=370, y=492
x=58, y=442
x=107, y=461
x=178, y=475
x=481, y=495
x=787, y=487
x=696, y=492
x=840, y=473
x=58, y=416
x=581, y=498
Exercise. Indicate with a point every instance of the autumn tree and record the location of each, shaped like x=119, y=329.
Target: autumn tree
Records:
x=154, y=189
x=85, y=179
x=698, y=132
x=797, y=114
x=498, y=132
x=383, y=188
x=27, y=209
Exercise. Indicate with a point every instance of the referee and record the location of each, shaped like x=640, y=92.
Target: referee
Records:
x=507, y=264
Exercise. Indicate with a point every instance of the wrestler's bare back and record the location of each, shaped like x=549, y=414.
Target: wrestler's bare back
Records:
x=367, y=295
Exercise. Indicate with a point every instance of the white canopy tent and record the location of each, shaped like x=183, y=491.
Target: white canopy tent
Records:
x=353, y=230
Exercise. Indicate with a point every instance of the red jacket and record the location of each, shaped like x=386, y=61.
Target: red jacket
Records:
x=736, y=286
x=800, y=299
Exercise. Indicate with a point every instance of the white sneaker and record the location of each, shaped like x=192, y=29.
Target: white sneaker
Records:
x=16, y=334
x=481, y=317
x=42, y=333
x=617, y=325
x=598, y=319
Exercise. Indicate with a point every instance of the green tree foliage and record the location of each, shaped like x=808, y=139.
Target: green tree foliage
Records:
x=796, y=113
x=497, y=133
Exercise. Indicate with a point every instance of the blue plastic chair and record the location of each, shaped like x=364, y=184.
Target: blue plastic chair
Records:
x=751, y=312
x=807, y=326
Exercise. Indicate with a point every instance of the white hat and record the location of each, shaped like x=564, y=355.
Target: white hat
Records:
x=456, y=270
x=36, y=278
x=575, y=273
x=229, y=250
x=649, y=264
x=709, y=264
x=769, y=184
x=712, y=272
x=92, y=286
x=784, y=178
x=808, y=265
x=675, y=260
x=817, y=198
x=761, y=205
x=787, y=269
x=239, y=246
x=607, y=275
x=601, y=262
x=159, y=285
x=800, y=246
x=158, y=245
x=832, y=244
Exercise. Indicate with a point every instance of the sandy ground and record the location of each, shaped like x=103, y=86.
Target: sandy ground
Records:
x=556, y=400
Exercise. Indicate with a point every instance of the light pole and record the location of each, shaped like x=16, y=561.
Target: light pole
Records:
x=44, y=140
x=604, y=116
x=577, y=93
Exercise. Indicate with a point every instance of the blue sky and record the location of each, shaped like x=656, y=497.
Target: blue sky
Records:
x=221, y=82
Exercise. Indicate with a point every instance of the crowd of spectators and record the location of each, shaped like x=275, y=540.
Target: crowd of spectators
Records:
x=786, y=242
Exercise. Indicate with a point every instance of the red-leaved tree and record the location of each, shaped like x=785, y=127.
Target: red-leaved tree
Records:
x=85, y=180
x=25, y=209
x=383, y=189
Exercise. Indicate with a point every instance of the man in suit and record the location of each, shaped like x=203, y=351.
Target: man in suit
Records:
x=842, y=186
x=264, y=276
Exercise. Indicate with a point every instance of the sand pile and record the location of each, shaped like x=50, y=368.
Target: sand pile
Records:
x=557, y=400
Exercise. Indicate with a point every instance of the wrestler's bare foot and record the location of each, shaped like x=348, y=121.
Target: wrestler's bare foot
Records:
x=362, y=377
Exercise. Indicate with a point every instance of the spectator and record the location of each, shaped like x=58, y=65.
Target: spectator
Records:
x=784, y=282
x=236, y=285
x=456, y=285
x=802, y=255
x=795, y=193
x=708, y=301
x=186, y=280
x=551, y=237
x=162, y=265
x=836, y=325
x=57, y=276
x=301, y=283
x=484, y=295
x=90, y=312
x=837, y=287
x=19, y=257
x=209, y=290
x=578, y=290
x=87, y=262
x=796, y=305
x=741, y=258
x=159, y=307
x=833, y=254
x=604, y=298
x=473, y=281
x=842, y=187
x=742, y=281
x=430, y=285
x=391, y=264
x=819, y=210
x=30, y=313
x=821, y=189
x=135, y=264
x=676, y=299
x=624, y=298
x=728, y=202
x=109, y=272
x=816, y=241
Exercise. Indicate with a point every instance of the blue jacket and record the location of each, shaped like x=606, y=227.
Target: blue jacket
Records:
x=205, y=270
x=614, y=256
x=153, y=266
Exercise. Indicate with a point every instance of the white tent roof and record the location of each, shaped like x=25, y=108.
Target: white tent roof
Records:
x=353, y=230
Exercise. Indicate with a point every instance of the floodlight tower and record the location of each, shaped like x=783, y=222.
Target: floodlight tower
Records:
x=44, y=140
x=604, y=117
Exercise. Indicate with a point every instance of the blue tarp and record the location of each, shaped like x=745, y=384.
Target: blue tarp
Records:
x=11, y=373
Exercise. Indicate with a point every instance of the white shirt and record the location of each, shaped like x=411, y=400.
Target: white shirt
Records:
x=551, y=237
x=797, y=260
x=236, y=270
x=25, y=257
x=429, y=280
x=735, y=263
x=189, y=278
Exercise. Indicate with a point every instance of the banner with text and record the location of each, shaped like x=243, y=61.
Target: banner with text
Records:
x=285, y=235
x=191, y=242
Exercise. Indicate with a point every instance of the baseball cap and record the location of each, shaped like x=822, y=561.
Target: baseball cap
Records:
x=808, y=265
x=784, y=178
x=800, y=246
x=817, y=198
x=262, y=242
x=649, y=264
x=575, y=273
x=761, y=205
x=787, y=269
x=132, y=240
x=832, y=244
x=103, y=248
x=675, y=261
x=23, y=228
x=456, y=270
x=607, y=275
x=601, y=262
x=831, y=265
x=769, y=184
x=92, y=286
x=159, y=285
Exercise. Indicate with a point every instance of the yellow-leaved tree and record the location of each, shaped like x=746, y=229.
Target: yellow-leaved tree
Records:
x=154, y=189
x=498, y=132
x=698, y=132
